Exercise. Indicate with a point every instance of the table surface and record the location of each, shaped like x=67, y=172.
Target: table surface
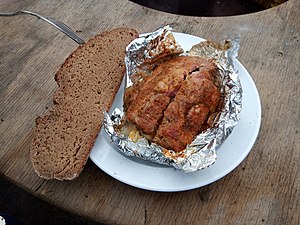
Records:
x=263, y=189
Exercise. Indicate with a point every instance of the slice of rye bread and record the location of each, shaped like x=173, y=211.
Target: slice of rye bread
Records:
x=88, y=81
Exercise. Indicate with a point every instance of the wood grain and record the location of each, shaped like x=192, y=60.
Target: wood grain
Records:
x=263, y=189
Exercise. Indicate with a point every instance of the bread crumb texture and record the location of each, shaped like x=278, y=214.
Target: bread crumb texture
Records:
x=88, y=81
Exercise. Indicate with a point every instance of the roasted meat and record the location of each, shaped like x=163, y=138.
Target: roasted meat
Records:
x=171, y=106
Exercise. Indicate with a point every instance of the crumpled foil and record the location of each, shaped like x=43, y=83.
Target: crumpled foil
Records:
x=201, y=153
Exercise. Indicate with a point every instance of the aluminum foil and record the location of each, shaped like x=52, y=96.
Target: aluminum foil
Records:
x=201, y=153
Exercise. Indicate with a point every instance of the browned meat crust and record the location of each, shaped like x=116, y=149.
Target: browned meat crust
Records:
x=171, y=106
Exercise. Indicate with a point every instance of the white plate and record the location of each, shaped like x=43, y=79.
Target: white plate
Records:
x=155, y=177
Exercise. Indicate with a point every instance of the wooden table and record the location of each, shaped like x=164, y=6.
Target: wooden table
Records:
x=263, y=189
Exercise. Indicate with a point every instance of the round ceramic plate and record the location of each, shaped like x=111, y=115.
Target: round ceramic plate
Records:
x=151, y=176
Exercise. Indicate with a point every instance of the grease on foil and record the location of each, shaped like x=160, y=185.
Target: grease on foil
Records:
x=201, y=153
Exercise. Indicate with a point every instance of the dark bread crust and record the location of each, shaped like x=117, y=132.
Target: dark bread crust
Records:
x=88, y=81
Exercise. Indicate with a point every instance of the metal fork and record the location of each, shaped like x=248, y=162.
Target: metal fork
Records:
x=59, y=25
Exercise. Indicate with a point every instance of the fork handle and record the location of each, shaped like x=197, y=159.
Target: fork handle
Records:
x=57, y=24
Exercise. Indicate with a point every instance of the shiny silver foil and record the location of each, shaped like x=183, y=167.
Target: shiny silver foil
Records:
x=201, y=153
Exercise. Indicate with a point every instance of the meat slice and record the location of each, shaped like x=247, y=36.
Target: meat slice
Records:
x=146, y=101
x=171, y=106
x=186, y=116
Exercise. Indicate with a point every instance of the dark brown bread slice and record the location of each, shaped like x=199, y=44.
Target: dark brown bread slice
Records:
x=88, y=81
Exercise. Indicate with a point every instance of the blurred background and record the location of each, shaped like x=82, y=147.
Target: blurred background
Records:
x=210, y=8
x=20, y=208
